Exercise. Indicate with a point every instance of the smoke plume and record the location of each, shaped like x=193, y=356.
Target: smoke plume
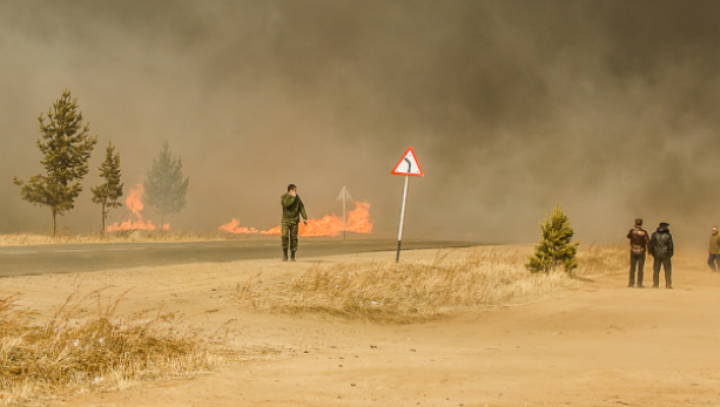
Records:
x=607, y=107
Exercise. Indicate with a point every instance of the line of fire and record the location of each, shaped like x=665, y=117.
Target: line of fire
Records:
x=358, y=221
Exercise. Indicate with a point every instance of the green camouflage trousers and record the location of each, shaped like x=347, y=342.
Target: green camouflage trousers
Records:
x=292, y=230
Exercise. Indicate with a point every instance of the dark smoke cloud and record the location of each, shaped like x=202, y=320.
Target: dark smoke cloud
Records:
x=607, y=107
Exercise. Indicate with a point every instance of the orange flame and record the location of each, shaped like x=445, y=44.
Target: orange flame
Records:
x=358, y=221
x=135, y=204
x=277, y=230
x=234, y=227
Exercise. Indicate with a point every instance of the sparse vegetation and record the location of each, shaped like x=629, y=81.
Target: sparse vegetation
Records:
x=66, y=149
x=22, y=239
x=555, y=247
x=74, y=352
x=407, y=292
x=594, y=261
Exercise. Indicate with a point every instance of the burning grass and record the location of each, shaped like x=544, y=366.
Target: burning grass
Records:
x=72, y=353
x=412, y=292
x=358, y=221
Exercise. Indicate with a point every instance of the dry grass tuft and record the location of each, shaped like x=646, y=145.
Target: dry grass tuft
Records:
x=76, y=353
x=411, y=292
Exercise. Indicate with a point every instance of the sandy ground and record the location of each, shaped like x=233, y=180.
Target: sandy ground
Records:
x=602, y=345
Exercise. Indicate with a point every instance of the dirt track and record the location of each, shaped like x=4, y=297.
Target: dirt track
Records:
x=602, y=345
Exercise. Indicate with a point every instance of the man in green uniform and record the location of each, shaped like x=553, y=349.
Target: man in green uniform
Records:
x=714, y=256
x=293, y=208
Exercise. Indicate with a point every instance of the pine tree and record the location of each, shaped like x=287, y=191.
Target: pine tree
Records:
x=67, y=147
x=166, y=190
x=107, y=194
x=555, y=247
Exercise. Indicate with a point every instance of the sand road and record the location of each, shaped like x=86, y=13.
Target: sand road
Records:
x=601, y=345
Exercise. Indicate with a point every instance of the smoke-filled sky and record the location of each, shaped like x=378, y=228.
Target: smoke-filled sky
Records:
x=609, y=108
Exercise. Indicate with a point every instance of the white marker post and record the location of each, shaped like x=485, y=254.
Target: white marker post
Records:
x=407, y=166
x=344, y=197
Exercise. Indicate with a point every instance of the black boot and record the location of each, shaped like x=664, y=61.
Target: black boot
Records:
x=292, y=256
x=285, y=258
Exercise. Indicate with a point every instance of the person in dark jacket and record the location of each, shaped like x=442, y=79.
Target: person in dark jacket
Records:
x=293, y=208
x=639, y=240
x=662, y=250
x=714, y=256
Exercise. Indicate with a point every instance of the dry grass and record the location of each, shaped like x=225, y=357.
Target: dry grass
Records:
x=21, y=239
x=386, y=292
x=413, y=292
x=76, y=353
x=595, y=261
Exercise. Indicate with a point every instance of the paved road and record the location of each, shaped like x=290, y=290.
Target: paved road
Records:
x=41, y=259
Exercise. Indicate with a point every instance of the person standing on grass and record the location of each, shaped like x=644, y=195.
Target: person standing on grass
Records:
x=639, y=241
x=714, y=257
x=662, y=250
x=293, y=208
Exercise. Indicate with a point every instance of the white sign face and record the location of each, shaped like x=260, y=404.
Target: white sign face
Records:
x=344, y=195
x=409, y=165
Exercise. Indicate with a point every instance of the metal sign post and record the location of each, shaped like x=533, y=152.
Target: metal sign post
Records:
x=344, y=197
x=402, y=218
x=407, y=166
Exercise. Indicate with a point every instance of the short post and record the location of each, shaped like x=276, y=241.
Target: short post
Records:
x=402, y=219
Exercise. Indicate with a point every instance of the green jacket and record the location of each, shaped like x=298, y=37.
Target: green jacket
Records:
x=293, y=207
x=715, y=243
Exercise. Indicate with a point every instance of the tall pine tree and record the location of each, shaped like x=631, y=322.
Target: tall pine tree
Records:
x=67, y=146
x=166, y=190
x=555, y=247
x=107, y=194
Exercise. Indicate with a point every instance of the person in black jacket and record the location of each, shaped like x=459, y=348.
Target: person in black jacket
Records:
x=661, y=248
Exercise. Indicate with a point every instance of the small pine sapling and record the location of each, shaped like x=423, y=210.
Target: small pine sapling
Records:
x=555, y=247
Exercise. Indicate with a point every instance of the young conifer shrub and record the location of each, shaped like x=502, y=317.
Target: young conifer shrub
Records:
x=555, y=247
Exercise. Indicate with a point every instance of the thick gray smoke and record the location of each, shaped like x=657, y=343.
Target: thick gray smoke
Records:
x=607, y=107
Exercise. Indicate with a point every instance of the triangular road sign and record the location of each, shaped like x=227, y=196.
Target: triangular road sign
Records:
x=409, y=165
x=344, y=195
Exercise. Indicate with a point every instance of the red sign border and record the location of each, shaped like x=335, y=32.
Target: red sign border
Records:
x=422, y=173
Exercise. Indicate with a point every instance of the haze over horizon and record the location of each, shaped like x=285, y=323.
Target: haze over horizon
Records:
x=606, y=107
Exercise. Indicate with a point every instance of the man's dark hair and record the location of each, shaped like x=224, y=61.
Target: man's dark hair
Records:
x=291, y=187
x=638, y=222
